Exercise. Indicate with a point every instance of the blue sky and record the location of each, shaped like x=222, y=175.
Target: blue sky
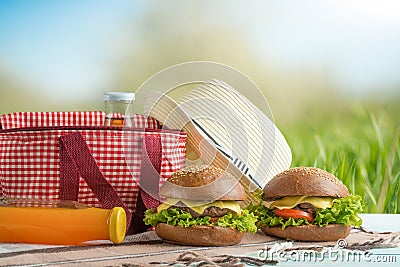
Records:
x=357, y=40
x=43, y=42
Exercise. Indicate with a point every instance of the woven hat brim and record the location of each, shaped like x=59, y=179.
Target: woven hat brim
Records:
x=206, y=138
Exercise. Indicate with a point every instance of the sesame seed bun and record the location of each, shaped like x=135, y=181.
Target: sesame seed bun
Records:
x=305, y=181
x=203, y=182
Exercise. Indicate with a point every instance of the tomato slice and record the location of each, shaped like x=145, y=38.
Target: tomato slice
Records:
x=292, y=213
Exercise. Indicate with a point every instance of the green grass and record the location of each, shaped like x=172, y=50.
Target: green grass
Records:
x=359, y=144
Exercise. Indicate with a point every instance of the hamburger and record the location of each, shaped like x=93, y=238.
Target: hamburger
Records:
x=201, y=209
x=307, y=204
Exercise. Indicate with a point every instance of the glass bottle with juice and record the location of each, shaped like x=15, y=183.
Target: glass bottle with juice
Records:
x=118, y=109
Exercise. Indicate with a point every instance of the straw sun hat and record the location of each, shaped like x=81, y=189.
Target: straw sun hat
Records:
x=226, y=130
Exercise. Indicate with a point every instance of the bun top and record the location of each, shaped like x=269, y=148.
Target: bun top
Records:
x=305, y=181
x=203, y=182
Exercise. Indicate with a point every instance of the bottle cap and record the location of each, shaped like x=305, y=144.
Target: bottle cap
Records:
x=118, y=96
x=117, y=225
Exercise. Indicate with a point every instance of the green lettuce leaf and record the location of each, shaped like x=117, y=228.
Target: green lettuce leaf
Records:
x=245, y=222
x=344, y=211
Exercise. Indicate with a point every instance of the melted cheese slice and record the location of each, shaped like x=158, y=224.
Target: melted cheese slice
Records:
x=291, y=202
x=200, y=206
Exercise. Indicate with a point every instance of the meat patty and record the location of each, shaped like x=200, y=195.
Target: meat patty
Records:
x=307, y=207
x=210, y=211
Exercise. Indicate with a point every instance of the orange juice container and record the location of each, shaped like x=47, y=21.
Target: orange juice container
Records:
x=59, y=222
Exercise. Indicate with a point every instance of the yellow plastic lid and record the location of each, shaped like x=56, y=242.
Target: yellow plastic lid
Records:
x=117, y=225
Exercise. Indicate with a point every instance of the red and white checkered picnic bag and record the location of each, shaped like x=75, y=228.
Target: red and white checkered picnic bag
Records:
x=68, y=156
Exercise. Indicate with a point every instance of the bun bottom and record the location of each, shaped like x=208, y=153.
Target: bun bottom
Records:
x=199, y=235
x=331, y=232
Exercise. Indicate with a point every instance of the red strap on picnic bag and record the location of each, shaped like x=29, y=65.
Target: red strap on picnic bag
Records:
x=77, y=161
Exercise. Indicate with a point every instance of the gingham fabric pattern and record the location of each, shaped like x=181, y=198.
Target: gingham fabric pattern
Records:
x=74, y=118
x=29, y=160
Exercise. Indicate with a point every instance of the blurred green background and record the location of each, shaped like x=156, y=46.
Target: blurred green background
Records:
x=330, y=70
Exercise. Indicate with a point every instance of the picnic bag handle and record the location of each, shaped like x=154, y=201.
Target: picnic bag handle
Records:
x=77, y=161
